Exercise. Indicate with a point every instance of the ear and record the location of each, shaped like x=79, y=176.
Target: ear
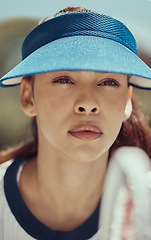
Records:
x=128, y=108
x=27, y=97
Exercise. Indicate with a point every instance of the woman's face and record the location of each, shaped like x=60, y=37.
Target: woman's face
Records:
x=79, y=113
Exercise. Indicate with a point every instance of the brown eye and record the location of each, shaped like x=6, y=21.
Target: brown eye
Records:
x=63, y=80
x=109, y=82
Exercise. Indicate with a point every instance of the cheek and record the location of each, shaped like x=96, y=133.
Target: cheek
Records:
x=115, y=109
x=117, y=103
x=52, y=113
x=118, y=108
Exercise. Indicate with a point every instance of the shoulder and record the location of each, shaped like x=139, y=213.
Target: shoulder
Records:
x=3, y=168
x=130, y=159
x=3, y=202
x=130, y=151
x=7, y=220
x=127, y=190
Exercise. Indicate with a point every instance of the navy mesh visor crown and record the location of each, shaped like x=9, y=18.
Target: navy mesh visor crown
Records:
x=78, y=24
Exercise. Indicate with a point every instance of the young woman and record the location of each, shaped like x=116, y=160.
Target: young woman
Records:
x=76, y=78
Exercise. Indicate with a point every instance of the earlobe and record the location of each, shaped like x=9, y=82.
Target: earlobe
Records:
x=26, y=97
x=128, y=108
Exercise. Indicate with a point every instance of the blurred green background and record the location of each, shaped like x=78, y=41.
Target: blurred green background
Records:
x=14, y=125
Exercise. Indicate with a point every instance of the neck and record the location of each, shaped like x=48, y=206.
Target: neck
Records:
x=63, y=178
x=66, y=187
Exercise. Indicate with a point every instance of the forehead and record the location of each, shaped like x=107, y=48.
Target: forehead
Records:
x=81, y=74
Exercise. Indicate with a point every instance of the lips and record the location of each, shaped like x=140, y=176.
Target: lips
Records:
x=86, y=132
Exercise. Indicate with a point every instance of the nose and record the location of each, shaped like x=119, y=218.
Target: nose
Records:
x=87, y=105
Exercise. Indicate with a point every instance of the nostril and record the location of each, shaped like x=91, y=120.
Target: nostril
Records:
x=93, y=110
x=81, y=109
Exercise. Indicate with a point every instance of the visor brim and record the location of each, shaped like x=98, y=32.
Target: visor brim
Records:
x=79, y=53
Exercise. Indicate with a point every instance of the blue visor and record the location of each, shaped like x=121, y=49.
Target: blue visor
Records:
x=80, y=41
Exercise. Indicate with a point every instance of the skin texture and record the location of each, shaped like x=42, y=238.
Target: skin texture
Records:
x=63, y=184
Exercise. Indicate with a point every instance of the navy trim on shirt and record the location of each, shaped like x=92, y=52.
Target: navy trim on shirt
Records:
x=33, y=226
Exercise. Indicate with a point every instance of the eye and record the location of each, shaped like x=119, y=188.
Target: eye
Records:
x=109, y=82
x=63, y=80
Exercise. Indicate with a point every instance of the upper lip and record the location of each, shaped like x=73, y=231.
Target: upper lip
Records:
x=86, y=127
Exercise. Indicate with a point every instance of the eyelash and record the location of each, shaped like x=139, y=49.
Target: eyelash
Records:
x=106, y=82
x=63, y=80
x=109, y=83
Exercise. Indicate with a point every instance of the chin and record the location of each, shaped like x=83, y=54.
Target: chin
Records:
x=89, y=155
